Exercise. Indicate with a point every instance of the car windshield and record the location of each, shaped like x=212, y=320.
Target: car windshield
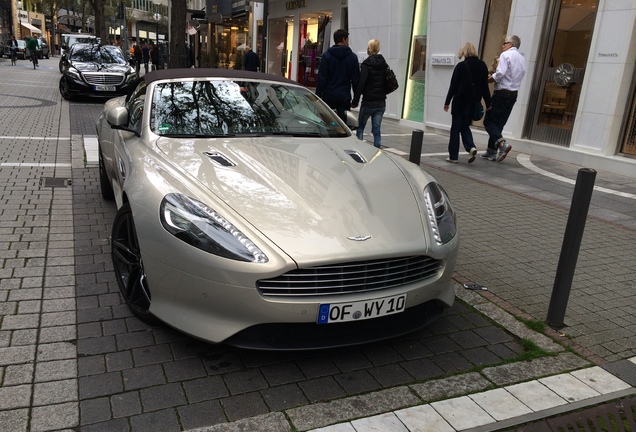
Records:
x=223, y=107
x=96, y=53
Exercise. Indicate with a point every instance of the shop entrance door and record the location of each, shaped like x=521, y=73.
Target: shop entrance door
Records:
x=570, y=25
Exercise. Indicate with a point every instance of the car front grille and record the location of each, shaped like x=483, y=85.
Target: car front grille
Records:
x=353, y=277
x=109, y=79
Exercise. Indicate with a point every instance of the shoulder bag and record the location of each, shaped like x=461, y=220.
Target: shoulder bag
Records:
x=391, y=83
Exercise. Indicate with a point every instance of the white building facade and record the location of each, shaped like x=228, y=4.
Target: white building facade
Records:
x=576, y=104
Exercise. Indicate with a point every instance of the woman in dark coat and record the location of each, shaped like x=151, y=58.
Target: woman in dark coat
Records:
x=468, y=85
x=372, y=87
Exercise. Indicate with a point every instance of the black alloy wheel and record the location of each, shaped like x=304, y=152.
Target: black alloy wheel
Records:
x=104, y=184
x=129, y=269
x=64, y=91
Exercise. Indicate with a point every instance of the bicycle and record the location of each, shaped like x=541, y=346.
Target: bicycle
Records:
x=34, y=58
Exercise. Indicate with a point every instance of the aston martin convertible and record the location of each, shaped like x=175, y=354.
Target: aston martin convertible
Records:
x=250, y=215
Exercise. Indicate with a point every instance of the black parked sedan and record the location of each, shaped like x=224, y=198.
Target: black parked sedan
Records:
x=97, y=71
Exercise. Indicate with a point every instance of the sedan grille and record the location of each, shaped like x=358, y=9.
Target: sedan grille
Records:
x=353, y=277
x=109, y=79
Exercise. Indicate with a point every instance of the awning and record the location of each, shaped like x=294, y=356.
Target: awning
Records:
x=33, y=28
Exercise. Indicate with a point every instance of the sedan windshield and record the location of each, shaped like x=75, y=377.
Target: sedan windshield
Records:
x=99, y=54
x=221, y=107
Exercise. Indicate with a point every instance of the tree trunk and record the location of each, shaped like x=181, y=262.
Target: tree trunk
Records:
x=178, y=52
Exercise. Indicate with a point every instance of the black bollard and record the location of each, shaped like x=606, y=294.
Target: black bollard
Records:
x=570, y=248
x=416, y=146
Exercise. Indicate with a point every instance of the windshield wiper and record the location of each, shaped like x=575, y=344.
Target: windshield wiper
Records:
x=298, y=134
x=169, y=135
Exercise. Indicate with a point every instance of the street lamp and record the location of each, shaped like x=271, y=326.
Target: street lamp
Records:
x=157, y=16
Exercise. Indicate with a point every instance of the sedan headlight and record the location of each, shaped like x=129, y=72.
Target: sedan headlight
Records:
x=131, y=76
x=73, y=73
x=440, y=213
x=198, y=225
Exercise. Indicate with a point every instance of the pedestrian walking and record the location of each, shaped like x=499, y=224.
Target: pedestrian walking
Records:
x=137, y=55
x=468, y=86
x=372, y=88
x=14, y=50
x=155, y=57
x=145, y=56
x=250, y=60
x=338, y=74
x=511, y=69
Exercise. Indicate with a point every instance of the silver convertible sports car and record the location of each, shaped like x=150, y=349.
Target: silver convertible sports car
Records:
x=249, y=214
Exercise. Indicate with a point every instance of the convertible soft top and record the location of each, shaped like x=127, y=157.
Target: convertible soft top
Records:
x=181, y=73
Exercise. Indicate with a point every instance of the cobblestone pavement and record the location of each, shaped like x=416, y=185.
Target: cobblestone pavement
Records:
x=73, y=356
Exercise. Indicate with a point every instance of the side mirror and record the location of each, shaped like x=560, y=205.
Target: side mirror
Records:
x=117, y=118
x=352, y=120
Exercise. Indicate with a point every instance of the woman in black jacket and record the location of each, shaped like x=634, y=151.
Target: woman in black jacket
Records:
x=372, y=89
x=469, y=84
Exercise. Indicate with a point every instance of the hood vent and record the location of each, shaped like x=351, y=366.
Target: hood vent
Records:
x=356, y=156
x=220, y=159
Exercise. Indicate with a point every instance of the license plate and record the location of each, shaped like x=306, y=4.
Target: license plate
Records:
x=329, y=313
x=104, y=88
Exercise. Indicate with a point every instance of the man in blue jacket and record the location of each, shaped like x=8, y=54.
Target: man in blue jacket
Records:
x=338, y=74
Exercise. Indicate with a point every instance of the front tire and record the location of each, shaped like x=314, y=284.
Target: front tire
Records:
x=64, y=91
x=129, y=268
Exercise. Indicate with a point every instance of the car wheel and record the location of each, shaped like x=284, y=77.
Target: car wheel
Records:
x=129, y=269
x=104, y=184
x=64, y=89
x=61, y=66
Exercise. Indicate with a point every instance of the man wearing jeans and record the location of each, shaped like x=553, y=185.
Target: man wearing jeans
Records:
x=507, y=78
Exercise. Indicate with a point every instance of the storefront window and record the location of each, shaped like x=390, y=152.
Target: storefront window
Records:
x=313, y=29
x=563, y=71
x=414, y=92
x=279, y=45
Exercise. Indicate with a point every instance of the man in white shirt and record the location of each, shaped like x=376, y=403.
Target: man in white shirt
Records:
x=507, y=78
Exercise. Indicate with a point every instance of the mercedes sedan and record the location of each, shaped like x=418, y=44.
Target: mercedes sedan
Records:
x=249, y=214
x=96, y=70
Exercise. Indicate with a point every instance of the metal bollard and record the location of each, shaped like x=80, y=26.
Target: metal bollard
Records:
x=570, y=248
x=417, y=138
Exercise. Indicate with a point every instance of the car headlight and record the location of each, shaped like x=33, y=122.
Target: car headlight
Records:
x=73, y=73
x=440, y=213
x=198, y=225
x=131, y=77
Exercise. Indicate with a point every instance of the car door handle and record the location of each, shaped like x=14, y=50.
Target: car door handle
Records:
x=122, y=168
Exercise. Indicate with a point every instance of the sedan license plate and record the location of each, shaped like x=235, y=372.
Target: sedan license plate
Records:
x=104, y=88
x=329, y=313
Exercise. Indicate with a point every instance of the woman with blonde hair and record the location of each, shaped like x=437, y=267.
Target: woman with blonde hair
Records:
x=372, y=89
x=469, y=84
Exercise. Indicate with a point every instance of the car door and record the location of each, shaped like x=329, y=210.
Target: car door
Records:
x=123, y=139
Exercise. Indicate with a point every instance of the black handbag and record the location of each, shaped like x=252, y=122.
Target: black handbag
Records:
x=391, y=83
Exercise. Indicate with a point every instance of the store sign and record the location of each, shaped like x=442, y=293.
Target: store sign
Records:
x=298, y=4
x=239, y=8
x=442, y=60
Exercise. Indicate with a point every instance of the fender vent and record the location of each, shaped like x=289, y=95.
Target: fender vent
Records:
x=220, y=159
x=356, y=156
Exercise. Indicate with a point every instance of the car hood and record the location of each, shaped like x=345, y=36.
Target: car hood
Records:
x=309, y=195
x=101, y=67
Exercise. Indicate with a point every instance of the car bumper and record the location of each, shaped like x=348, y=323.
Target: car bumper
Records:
x=238, y=315
x=81, y=88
